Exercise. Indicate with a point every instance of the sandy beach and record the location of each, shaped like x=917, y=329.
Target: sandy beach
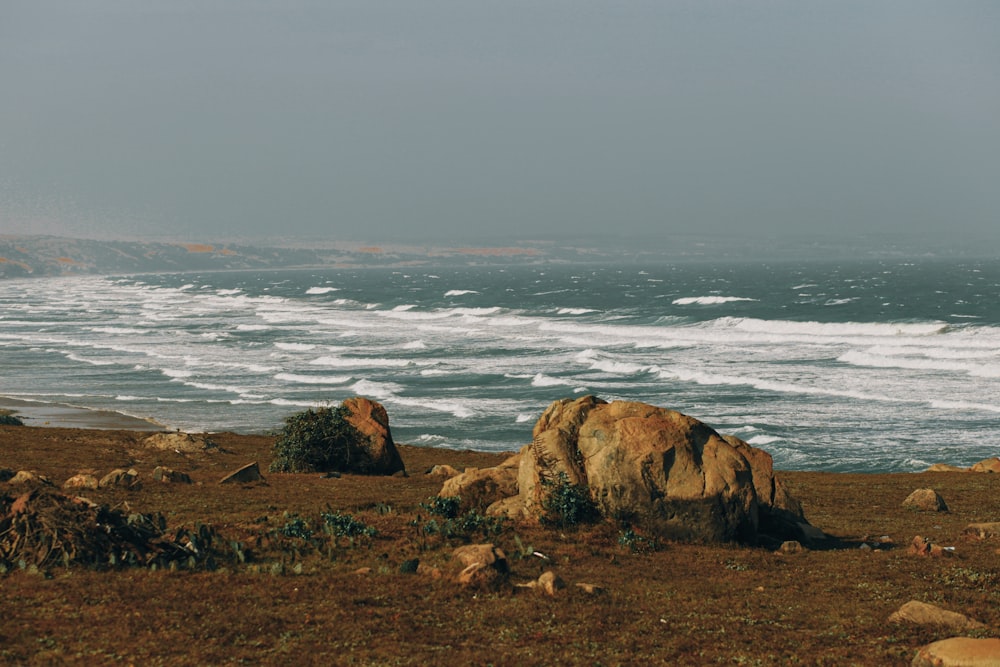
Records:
x=37, y=413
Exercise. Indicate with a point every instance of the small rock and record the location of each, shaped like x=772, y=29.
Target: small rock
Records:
x=865, y=547
x=959, y=652
x=179, y=442
x=245, y=475
x=982, y=530
x=549, y=582
x=921, y=546
x=944, y=467
x=363, y=570
x=81, y=481
x=409, y=566
x=925, y=500
x=332, y=474
x=119, y=478
x=26, y=476
x=167, y=475
x=425, y=570
x=443, y=470
x=986, y=465
x=791, y=547
x=921, y=613
x=485, y=566
x=590, y=589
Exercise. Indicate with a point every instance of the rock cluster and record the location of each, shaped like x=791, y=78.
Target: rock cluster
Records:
x=651, y=467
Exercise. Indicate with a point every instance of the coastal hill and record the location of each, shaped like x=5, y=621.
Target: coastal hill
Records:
x=32, y=256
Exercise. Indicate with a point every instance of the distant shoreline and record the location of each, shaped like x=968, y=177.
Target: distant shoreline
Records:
x=40, y=413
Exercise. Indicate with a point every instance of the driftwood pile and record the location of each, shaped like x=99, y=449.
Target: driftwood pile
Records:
x=43, y=527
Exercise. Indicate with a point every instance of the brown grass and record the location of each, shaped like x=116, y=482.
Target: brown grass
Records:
x=685, y=604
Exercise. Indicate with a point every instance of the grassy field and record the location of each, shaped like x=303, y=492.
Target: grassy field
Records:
x=320, y=599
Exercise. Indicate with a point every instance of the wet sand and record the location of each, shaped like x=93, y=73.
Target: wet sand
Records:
x=36, y=413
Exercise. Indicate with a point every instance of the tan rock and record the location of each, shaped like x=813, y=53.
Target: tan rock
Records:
x=791, y=547
x=986, y=465
x=925, y=500
x=549, y=583
x=443, y=470
x=982, y=531
x=81, y=481
x=945, y=467
x=483, y=566
x=167, y=475
x=245, y=475
x=921, y=546
x=372, y=422
x=590, y=589
x=959, y=652
x=429, y=571
x=481, y=487
x=120, y=478
x=921, y=613
x=179, y=442
x=28, y=476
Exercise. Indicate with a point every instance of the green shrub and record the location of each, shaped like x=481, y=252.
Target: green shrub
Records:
x=566, y=505
x=10, y=420
x=345, y=525
x=446, y=506
x=320, y=440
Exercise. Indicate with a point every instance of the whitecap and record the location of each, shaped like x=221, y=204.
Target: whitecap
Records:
x=460, y=292
x=313, y=379
x=523, y=417
x=759, y=440
x=295, y=347
x=415, y=345
x=542, y=380
x=575, y=311
x=378, y=390
x=354, y=362
x=322, y=290
x=252, y=327
x=708, y=300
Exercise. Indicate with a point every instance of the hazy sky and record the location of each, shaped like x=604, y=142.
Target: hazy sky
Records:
x=378, y=120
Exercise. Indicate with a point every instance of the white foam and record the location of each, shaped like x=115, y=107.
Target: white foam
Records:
x=415, y=345
x=295, y=347
x=523, y=417
x=379, y=390
x=176, y=374
x=252, y=327
x=575, y=311
x=460, y=292
x=313, y=379
x=86, y=360
x=359, y=362
x=322, y=290
x=708, y=300
x=759, y=440
x=542, y=380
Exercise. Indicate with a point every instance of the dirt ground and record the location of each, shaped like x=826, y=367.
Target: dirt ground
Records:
x=324, y=600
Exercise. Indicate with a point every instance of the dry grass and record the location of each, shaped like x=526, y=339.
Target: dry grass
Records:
x=685, y=604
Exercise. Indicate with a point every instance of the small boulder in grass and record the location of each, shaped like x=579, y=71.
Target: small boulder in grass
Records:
x=925, y=500
x=162, y=474
x=986, y=465
x=915, y=612
x=921, y=546
x=122, y=479
x=245, y=475
x=959, y=652
x=81, y=481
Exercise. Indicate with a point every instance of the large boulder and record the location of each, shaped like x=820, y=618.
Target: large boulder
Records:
x=480, y=488
x=658, y=469
x=372, y=422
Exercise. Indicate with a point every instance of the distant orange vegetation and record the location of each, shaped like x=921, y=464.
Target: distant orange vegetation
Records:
x=374, y=250
x=198, y=247
x=227, y=251
x=67, y=260
x=496, y=252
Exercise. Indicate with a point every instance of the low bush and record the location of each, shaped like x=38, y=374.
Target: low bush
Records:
x=566, y=505
x=319, y=440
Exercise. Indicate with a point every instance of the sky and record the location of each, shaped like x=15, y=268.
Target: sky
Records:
x=499, y=121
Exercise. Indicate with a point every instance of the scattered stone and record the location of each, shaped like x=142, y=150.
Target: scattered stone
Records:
x=791, y=547
x=363, y=570
x=959, y=652
x=865, y=547
x=982, y=530
x=986, y=465
x=925, y=500
x=425, y=570
x=332, y=474
x=81, y=481
x=921, y=613
x=167, y=475
x=480, y=488
x=26, y=476
x=245, y=475
x=549, y=582
x=484, y=566
x=945, y=467
x=410, y=566
x=442, y=470
x=120, y=478
x=179, y=442
x=590, y=589
x=921, y=546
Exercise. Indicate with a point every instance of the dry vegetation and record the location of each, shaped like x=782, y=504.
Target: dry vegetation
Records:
x=684, y=604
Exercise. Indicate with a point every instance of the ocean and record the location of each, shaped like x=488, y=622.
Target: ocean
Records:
x=867, y=366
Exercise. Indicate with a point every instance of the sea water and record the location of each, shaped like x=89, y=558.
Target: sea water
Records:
x=842, y=366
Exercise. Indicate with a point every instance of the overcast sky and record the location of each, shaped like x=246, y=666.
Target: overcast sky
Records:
x=511, y=120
